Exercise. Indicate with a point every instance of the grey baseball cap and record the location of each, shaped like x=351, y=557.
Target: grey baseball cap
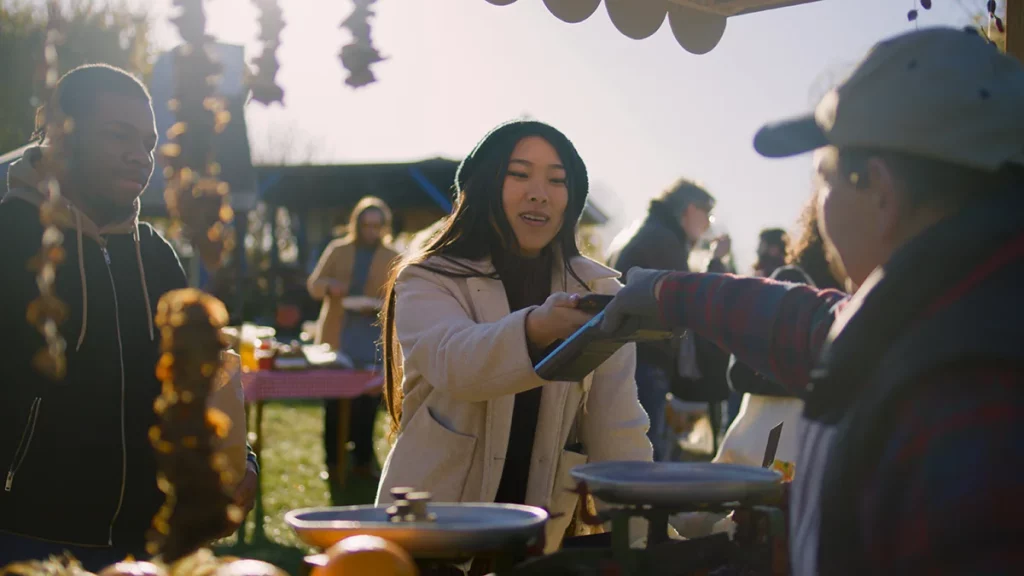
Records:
x=939, y=93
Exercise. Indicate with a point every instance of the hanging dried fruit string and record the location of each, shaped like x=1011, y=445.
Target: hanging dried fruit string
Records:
x=264, y=84
x=912, y=15
x=194, y=192
x=994, y=18
x=990, y=7
x=47, y=312
x=359, y=55
x=190, y=470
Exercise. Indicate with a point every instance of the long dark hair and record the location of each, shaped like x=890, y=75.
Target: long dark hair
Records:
x=477, y=229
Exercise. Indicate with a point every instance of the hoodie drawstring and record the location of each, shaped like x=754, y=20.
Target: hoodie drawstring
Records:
x=142, y=274
x=24, y=184
x=85, y=286
x=81, y=273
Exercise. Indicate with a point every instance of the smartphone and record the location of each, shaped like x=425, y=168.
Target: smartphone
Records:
x=593, y=303
x=589, y=347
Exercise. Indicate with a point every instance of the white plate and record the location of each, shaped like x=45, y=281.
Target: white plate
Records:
x=360, y=303
x=671, y=484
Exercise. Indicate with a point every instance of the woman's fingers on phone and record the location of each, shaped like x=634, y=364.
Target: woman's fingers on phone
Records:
x=575, y=318
x=563, y=300
x=569, y=326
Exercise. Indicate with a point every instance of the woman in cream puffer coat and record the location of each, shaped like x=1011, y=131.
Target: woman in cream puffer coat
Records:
x=467, y=319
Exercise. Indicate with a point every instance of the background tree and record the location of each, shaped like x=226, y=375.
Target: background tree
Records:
x=110, y=33
x=282, y=143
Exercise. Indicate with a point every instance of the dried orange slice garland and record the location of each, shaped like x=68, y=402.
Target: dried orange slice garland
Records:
x=263, y=84
x=194, y=193
x=190, y=470
x=360, y=54
x=990, y=7
x=47, y=312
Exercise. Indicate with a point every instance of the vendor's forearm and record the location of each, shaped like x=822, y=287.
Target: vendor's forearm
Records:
x=777, y=329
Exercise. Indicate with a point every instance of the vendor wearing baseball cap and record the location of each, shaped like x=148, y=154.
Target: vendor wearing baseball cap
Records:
x=911, y=440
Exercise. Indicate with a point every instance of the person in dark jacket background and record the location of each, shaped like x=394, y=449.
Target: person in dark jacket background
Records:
x=676, y=221
x=80, y=473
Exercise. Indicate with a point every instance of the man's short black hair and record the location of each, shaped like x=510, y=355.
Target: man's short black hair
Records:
x=683, y=193
x=76, y=92
x=775, y=237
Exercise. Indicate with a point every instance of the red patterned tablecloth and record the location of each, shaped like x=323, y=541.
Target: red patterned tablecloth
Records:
x=274, y=385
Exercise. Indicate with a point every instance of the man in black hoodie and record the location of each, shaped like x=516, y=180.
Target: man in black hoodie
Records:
x=79, y=471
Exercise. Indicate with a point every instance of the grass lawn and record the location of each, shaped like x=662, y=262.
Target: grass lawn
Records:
x=293, y=476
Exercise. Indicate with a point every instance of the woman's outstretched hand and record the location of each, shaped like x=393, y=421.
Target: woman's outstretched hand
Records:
x=637, y=300
x=557, y=319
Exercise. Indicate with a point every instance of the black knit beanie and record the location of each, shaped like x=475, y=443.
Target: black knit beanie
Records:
x=516, y=130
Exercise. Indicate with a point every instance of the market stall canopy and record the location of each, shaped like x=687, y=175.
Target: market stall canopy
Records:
x=418, y=184
x=423, y=184
x=698, y=25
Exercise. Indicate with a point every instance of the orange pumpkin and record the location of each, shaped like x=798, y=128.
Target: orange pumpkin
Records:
x=362, y=555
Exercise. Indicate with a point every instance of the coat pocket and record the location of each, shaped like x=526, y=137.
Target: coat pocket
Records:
x=24, y=444
x=563, y=499
x=429, y=456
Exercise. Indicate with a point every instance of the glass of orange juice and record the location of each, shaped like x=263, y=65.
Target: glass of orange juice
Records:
x=247, y=344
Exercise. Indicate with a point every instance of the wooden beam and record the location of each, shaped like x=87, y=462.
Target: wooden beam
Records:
x=1015, y=28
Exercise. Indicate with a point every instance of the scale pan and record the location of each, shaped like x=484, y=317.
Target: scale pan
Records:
x=676, y=484
x=460, y=531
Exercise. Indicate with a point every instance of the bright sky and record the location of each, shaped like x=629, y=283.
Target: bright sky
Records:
x=641, y=113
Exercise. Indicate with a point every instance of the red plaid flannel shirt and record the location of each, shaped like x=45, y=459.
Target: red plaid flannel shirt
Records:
x=946, y=494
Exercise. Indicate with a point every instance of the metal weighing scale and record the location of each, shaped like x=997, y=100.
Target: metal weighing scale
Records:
x=433, y=534
x=657, y=490
x=512, y=536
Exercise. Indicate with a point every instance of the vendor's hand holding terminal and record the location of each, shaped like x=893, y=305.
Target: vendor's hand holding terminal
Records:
x=637, y=301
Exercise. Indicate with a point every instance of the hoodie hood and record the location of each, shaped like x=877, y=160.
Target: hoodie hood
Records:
x=23, y=183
